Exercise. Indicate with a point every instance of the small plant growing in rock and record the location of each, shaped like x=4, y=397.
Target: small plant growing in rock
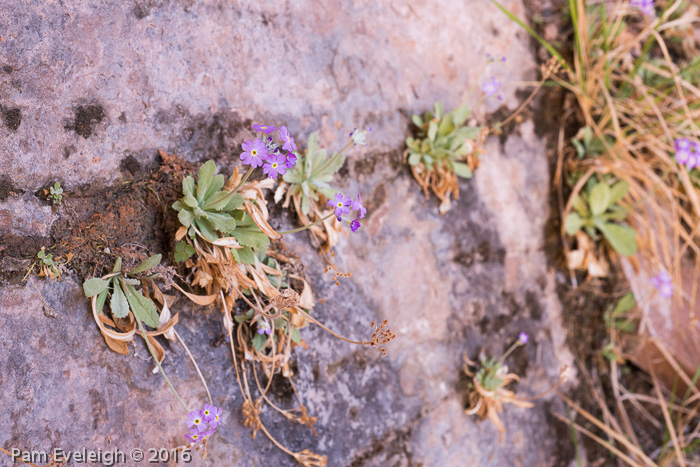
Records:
x=49, y=266
x=488, y=390
x=445, y=146
x=307, y=186
x=54, y=193
x=598, y=211
x=226, y=245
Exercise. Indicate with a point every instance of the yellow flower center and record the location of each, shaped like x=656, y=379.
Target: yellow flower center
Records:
x=254, y=152
x=274, y=165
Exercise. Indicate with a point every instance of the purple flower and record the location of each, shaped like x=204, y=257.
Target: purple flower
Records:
x=341, y=204
x=663, y=283
x=358, y=206
x=264, y=128
x=491, y=88
x=291, y=160
x=207, y=412
x=195, y=420
x=523, y=338
x=194, y=436
x=354, y=225
x=208, y=433
x=287, y=139
x=255, y=153
x=216, y=417
x=264, y=326
x=275, y=166
x=359, y=137
x=646, y=6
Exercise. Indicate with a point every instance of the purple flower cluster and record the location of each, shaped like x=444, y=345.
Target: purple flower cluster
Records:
x=342, y=204
x=203, y=423
x=663, y=283
x=523, y=338
x=687, y=153
x=496, y=58
x=267, y=154
x=492, y=87
x=646, y=6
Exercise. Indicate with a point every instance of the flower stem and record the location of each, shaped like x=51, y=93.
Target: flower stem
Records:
x=245, y=178
x=515, y=345
x=153, y=354
x=306, y=226
x=195, y=365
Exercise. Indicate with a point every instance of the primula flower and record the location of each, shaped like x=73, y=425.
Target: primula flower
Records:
x=354, y=225
x=287, y=139
x=276, y=165
x=208, y=433
x=215, y=419
x=207, y=412
x=663, y=283
x=264, y=128
x=264, y=326
x=291, y=160
x=523, y=338
x=341, y=204
x=195, y=420
x=360, y=137
x=194, y=436
x=255, y=153
x=646, y=6
x=358, y=206
x=491, y=88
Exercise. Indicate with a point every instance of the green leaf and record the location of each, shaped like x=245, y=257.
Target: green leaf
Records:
x=234, y=203
x=143, y=308
x=246, y=255
x=414, y=158
x=296, y=337
x=417, y=121
x=118, y=303
x=100, y=304
x=312, y=144
x=183, y=251
x=573, y=223
x=251, y=238
x=117, y=265
x=206, y=229
x=625, y=304
x=135, y=281
x=460, y=115
x=190, y=201
x=437, y=110
x=600, y=198
x=149, y=263
x=445, y=127
x=580, y=205
x=293, y=177
x=216, y=183
x=185, y=217
x=259, y=342
x=188, y=185
x=432, y=130
x=222, y=222
x=618, y=191
x=94, y=286
x=462, y=170
x=204, y=176
x=335, y=165
x=621, y=238
x=305, y=207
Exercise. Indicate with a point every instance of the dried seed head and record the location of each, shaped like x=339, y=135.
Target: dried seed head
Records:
x=251, y=415
x=286, y=299
x=381, y=336
x=311, y=459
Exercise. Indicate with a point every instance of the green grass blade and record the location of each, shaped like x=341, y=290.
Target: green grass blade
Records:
x=539, y=38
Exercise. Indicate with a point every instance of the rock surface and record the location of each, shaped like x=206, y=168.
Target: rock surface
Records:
x=92, y=89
